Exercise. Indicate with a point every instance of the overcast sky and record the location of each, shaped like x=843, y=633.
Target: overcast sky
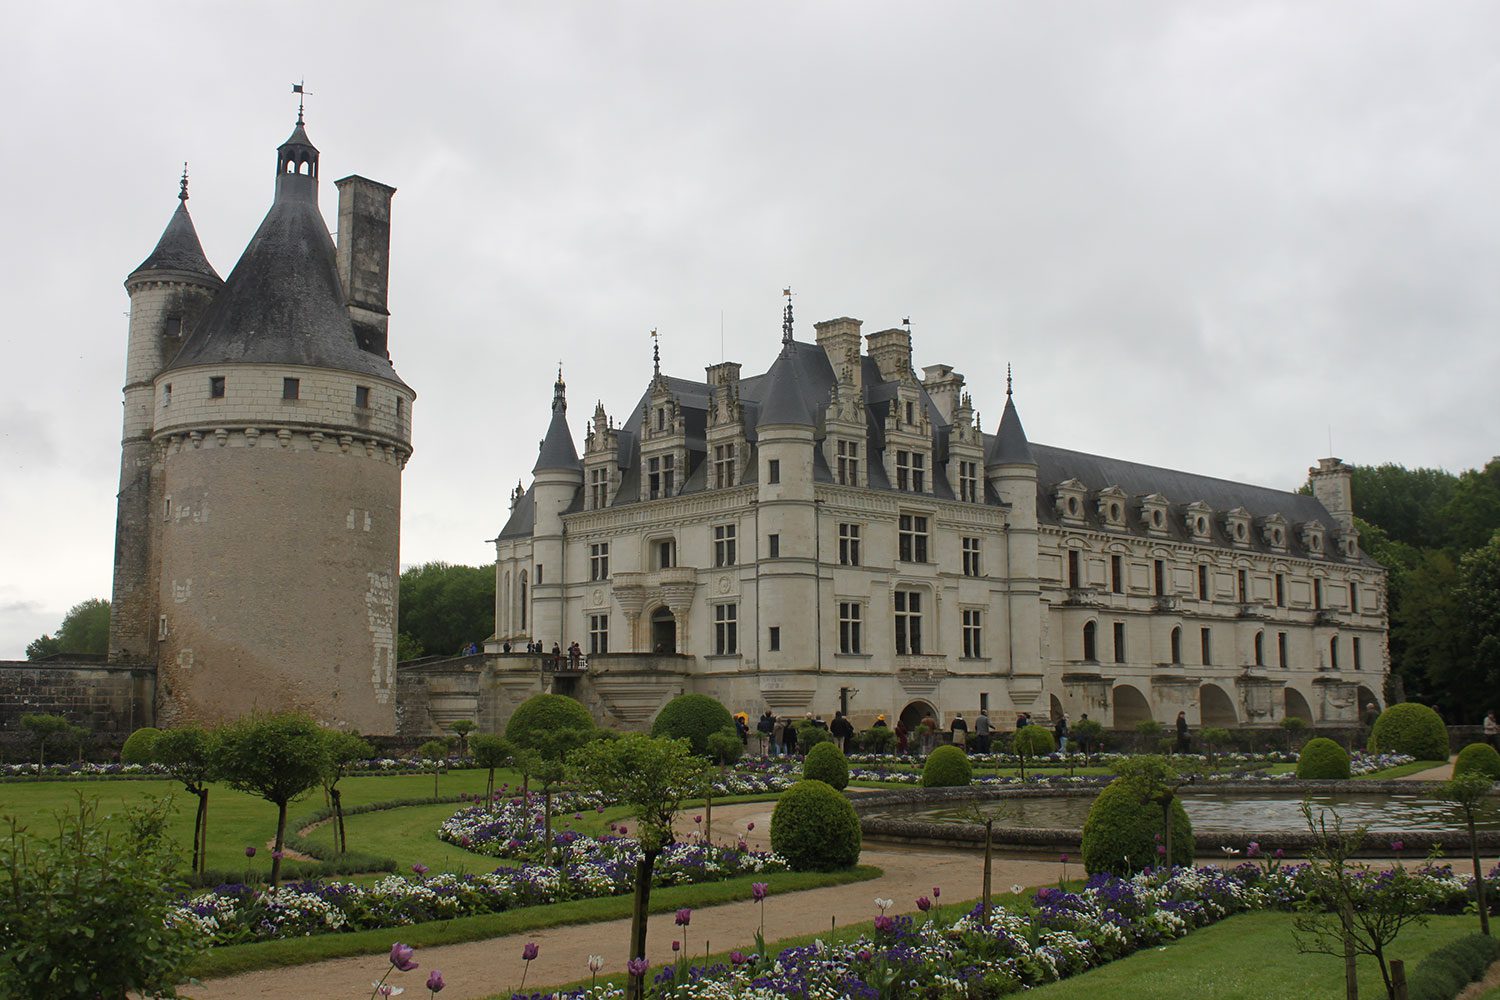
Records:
x=1204, y=233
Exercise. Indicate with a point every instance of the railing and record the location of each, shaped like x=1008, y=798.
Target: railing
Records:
x=565, y=664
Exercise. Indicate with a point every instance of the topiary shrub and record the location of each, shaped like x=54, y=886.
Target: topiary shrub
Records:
x=1034, y=741
x=810, y=734
x=724, y=747
x=1410, y=728
x=692, y=717
x=826, y=763
x=877, y=739
x=1322, y=759
x=542, y=715
x=815, y=828
x=1481, y=758
x=1446, y=972
x=1121, y=832
x=140, y=746
x=947, y=767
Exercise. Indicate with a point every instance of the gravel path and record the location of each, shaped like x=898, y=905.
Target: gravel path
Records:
x=1440, y=773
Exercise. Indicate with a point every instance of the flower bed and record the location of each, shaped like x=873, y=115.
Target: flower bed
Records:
x=1228, y=767
x=1055, y=935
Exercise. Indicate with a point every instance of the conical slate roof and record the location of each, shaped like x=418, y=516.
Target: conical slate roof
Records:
x=179, y=249
x=1010, y=446
x=783, y=402
x=557, y=451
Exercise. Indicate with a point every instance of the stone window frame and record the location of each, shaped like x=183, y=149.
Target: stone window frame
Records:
x=851, y=627
x=850, y=543
x=972, y=555
x=725, y=539
x=599, y=633
x=598, y=561
x=726, y=628
x=971, y=632
x=1112, y=504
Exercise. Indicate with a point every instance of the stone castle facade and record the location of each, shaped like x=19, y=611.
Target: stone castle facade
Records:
x=258, y=529
x=841, y=532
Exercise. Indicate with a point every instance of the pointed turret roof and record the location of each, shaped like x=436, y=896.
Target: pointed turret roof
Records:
x=284, y=302
x=179, y=249
x=1010, y=446
x=558, y=451
x=783, y=402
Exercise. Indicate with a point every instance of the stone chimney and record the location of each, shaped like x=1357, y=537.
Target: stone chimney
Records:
x=1333, y=485
x=839, y=339
x=725, y=373
x=364, y=258
x=891, y=352
x=945, y=386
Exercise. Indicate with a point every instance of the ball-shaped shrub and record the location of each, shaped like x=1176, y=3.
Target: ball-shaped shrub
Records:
x=947, y=767
x=725, y=747
x=140, y=746
x=1034, y=741
x=692, y=717
x=825, y=762
x=1410, y=728
x=815, y=828
x=810, y=734
x=545, y=714
x=1322, y=759
x=1120, y=834
x=1481, y=758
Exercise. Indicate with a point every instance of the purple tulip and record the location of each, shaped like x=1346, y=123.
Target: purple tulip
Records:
x=936, y=892
x=637, y=967
x=1161, y=850
x=749, y=827
x=676, y=945
x=435, y=982
x=1252, y=850
x=863, y=955
x=884, y=923
x=698, y=819
x=528, y=953
x=401, y=956
x=684, y=917
x=420, y=868
x=924, y=904
x=277, y=855
x=250, y=851
x=1398, y=846
x=622, y=829
x=759, y=891
x=737, y=958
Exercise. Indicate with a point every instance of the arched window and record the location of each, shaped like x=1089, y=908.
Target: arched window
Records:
x=1260, y=649
x=1177, y=645
x=1090, y=642
x=521, y=604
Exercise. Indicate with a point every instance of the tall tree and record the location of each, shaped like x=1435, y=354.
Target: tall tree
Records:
x=84, y=629
x=1473, y=513
x=446, y=607
x=187, y=754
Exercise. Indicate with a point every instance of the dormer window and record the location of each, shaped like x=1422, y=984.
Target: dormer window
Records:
x=911, y=471
x=848, y=463
x=661, y=418
x=1237, y=526
x=968, y=482
x=724, y=465
x=1111, y=507
x=1154, y=514
x=911, y=413
x=1198, y=520
x=1312, y=538
x=1068, y=501
x=660, y=472
x=1274, y=532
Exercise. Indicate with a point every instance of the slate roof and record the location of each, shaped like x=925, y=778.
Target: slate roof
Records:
x=522, y=516
x=557, y=450
x=179, y=248
x=1009, y=445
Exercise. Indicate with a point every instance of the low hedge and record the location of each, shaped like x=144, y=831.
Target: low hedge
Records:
x=1121, y=834
x=1478, y=757
x=1444, y=973
x=815, y=828
x=826, y=763
x=1321, y=760
x=947, y=767
x=1410, y=728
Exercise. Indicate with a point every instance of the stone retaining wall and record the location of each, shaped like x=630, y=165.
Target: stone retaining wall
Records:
x=109, y=701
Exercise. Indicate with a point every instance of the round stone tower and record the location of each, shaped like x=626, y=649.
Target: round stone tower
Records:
x=280, y=431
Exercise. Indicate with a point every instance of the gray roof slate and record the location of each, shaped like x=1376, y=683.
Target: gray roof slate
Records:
x=179, y=248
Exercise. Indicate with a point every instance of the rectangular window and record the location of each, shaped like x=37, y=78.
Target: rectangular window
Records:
x=968, y=482
x=911, y=413
x=400, y=408
x=848, y=544
x=773, y=638
x=1280, y=591
x=1358, y=664
x=1119, y=642
x=1281, y=649
x=599, y=561
x=216, y=387
x=971, y=557
x=1207, y=638
x=911, y=538
x=659, y=476
x=1333, y=652
x=1159, y=577
x=666, y=554
x=848, y=463
x=598, y=488
x=724, y=465
x=291, y=388
x=849, y=626
x=166, y=509
x=1317, y=594
x=918, y=474
x=773, y=546
x=724, y=545
x=911, y=471
x=908, y=623
x=598, y=634
x=1243, y=584
x=538, y=574
x=1116, y=575
x=984, y=702
x=726, y=629
x=661, y=418
x=362, y=397
x=1353, y=596
x=161, y=627
x=973, y=626
x=1073, y=569
x=166, y=394
x=174, y=326
x=1202, y=583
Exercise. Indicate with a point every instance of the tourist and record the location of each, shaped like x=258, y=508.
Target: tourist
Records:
x=742, y=727
x=575, y=653
x=1083, y=742
x=929, y=734
x=958, y=730
x=766, y=727
x=505, y=646
x=1182, y=732
x=842, y=730
x=1492, y=730
x=789, y=738
x=1022, y=721
x=880, y=722
x=902, y=736
x=1060, y=730
x=982, y=732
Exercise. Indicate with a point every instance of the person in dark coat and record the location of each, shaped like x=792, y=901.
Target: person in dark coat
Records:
x=903, y=735
x=1182, y=732
x=766, y=725
x=1060, y=732
x=841, y=729
x=789, y=738
x=982, y=732
x=958, y=730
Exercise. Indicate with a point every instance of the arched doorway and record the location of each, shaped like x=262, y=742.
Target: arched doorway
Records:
x=1056, y=707
x=1131, y=707
x=1366, y=699
x=663, y=631
x=1296, y=705
x=1215, y=707
x=915, y=712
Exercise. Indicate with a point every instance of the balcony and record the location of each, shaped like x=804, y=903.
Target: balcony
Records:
x=1165, y=602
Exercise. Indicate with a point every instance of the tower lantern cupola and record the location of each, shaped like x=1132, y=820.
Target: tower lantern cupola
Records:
x=297, y=166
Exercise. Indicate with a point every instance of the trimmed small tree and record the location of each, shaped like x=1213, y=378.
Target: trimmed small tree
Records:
x=490, y=752
x=1468, y=792
x=545, y=760
x=462, y=728
x=278, y=757
x=1294, y=726
x=652, y=775
x=1032, y=741
x=437, y=752
x=1154, y=779
x=344, y=751
x=187, y=754
x=1090, y=735
x=43, y=727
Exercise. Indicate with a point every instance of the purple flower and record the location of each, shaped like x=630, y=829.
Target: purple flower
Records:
x=1279, y=853
x=936, y=892
x=277, y=855
x=924, y=904
x=1398, y=846
x=698, y=819
x=684, y=917
x=250, y=851
x=637, y=966
x=622, y=829
x=864, y=955
x=528, y=953
x=737, y=958
x=401, y=956
x=435, y=982
x=676, y=945
x=1161, y=850
x=884, y=923
x=749, y=827
x=420, y=868
x=759, y=891
x=1252, y=849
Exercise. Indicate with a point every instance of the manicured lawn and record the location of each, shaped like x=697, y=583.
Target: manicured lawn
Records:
x=1248, y=957
x=235, y=819
x=1401, y=771
x=298, y=951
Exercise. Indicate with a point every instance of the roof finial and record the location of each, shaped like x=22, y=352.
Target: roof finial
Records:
x=1007, y=380
x=301, y=92
x=182, y=194
x=655, y=353
x=786, y=317
x=906, y=322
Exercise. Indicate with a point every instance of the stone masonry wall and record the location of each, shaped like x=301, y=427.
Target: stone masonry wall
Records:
x=110, y=701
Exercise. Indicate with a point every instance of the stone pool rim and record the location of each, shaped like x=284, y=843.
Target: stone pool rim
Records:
x=1416, y=843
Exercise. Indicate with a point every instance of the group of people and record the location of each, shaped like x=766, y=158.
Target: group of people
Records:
x=779, y=733
x=574, y=654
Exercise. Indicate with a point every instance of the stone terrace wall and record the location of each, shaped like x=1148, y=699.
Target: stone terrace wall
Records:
x=110, y=701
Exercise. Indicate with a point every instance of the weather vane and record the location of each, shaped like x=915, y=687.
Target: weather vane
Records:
x=655, y=352
x=301, y=91
x=182, y=194
x=1007, y=378
x=786, y=319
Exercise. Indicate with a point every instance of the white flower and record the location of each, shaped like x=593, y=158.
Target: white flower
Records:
x=596, y=962
x=1017, y=889
x=884, y=904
